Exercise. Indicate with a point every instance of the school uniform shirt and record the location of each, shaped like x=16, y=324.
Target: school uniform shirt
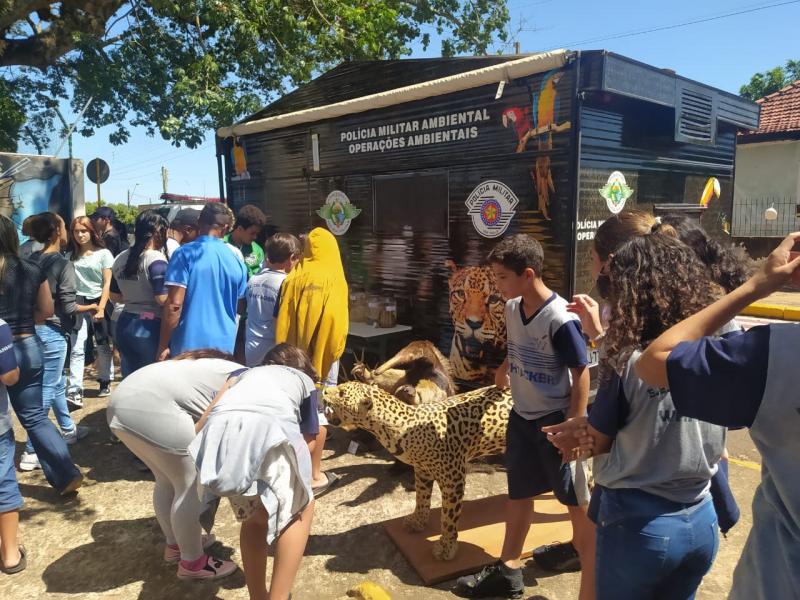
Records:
x=171, y=246
x=542, y=347
x=89, y=272
x=8, y=362
x=161, y=402
x=262, y=301
x=751, y=380
x=215, y=280
x=252, y=445
x=139, y=292
x=656, y=449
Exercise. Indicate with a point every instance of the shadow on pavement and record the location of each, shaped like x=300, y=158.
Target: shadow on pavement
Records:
x=125, y=552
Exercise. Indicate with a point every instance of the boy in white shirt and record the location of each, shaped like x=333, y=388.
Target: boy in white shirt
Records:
x=547, y=369
x=283, y=252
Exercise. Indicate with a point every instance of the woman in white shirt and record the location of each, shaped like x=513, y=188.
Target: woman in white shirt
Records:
x=92, y=285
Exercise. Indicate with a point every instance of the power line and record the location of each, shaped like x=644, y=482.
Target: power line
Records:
x=131, y=172
x=633, y=33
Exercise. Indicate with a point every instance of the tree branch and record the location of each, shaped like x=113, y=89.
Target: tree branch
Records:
x=18, y=10
x=43, y=50
x=449, y=16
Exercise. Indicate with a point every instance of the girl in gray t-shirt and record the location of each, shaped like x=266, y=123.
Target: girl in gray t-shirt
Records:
x=153, y=412
x=656, y=525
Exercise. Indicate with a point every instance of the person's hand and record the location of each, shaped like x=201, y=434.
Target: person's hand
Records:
x=501, y=379
x=99, y=314
x=588, y=312
x=163, y=354
x=571, y=437
x=779, y=267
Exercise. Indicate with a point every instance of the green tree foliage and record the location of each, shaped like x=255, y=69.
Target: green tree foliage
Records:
x=126, y=214
x=768, y=82
x=180, y=69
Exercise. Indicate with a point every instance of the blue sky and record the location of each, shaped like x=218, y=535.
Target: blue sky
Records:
x=724, y=53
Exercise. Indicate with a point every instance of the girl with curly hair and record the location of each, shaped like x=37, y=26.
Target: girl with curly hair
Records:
x=728, y=266
x=656, y=524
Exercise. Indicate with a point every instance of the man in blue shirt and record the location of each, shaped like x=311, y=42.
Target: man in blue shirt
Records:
x=205, y=282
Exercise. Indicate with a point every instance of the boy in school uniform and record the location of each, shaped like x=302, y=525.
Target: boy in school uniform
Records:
x=547, y=369
x=263, y=290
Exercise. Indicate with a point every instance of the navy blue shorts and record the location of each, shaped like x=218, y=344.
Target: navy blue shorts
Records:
x=533, y=464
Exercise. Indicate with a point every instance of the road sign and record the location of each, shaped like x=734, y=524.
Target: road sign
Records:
x=97, y=170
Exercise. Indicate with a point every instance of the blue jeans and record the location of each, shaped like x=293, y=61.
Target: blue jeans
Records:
x=137, y=341
x=26, y=398
x=650, y=547
x=10, y=498
x=105, y=362
x=54, y=383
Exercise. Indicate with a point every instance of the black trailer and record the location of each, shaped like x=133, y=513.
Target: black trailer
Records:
x=420, y=166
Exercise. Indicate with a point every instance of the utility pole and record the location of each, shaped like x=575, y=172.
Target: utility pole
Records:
x=131, y=193
x=164, y=178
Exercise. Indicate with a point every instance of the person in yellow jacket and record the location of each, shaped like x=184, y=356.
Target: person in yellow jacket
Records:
x=313, y=316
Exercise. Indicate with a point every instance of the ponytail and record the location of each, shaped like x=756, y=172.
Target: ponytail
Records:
x=149, y=225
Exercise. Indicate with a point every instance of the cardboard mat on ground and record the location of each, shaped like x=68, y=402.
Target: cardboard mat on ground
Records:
x=480, y=536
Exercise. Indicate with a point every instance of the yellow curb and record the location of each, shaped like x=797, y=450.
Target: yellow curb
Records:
x=747, y=464
x=773, y=311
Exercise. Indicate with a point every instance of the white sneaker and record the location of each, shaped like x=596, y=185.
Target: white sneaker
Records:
x=29, y=462
x=75, y=398
x=77, y=433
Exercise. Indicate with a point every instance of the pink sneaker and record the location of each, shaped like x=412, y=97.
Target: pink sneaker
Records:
x=172, y=554
x=210, y=568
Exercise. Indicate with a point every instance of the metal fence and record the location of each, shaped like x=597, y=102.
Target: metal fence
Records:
x=750, y=217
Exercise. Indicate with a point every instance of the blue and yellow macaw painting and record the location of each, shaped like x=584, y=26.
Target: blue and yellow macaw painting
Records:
x=539, y=121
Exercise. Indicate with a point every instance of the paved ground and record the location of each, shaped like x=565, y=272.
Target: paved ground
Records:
x=105, y=543
x=785, y=297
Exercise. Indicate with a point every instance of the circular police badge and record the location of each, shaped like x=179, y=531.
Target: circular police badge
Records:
x=491, y=206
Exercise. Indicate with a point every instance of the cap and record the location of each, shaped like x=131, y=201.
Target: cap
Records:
x=104, y=212
x=186, y=216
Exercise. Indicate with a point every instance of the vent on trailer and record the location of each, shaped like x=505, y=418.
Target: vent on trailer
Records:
x=695, y=115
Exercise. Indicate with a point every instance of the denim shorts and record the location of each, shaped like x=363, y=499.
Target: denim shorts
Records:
x=10, y=498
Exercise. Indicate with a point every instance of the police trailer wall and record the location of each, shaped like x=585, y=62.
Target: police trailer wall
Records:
x=419, y=179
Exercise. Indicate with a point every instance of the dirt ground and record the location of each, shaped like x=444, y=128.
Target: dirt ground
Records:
x=105, y=542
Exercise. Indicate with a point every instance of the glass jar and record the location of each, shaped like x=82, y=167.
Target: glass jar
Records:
x=373, y=309
x=358, y=306
x=388, y=315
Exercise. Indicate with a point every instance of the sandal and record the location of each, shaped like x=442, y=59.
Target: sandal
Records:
x=332, y=480
x=20, y=566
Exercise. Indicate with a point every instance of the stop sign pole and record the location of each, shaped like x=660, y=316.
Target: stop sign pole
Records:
x=97, y=178
x=97, y=171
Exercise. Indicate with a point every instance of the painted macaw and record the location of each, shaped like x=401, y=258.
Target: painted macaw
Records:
x=520, y=118
x=545, y=109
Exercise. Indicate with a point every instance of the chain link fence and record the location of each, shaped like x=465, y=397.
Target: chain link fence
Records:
x=750, y=217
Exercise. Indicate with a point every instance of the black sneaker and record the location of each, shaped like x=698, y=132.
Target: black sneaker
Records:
x=105, y=389
x=493, y=580
x=558, y=556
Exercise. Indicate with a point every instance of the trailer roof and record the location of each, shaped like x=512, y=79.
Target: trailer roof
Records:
x=386, y=83
x=366, y=85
